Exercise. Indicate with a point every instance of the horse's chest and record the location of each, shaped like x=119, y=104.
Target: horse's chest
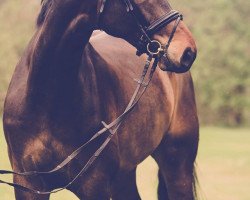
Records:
x=41, y=152
x=33, y=144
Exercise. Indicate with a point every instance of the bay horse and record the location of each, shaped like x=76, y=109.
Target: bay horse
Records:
x=64, y=86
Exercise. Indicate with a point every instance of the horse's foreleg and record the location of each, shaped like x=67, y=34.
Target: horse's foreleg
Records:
x=124, y=187
x=162, y=189
x=175, y=157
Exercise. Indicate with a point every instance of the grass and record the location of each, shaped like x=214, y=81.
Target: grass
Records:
x=223, y=167
x=224, y=163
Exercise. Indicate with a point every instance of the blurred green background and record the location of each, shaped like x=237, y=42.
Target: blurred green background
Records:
x=222, y=82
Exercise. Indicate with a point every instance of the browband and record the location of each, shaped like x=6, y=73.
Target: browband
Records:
x=162, y=21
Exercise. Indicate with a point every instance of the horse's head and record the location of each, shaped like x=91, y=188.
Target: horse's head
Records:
x=141, y=21
x=137, y=21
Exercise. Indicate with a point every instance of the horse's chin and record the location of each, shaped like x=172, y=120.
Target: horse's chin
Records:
x=168, y=65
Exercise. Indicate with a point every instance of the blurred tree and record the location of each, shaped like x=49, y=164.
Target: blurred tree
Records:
x=221, y=72
x=17, y=19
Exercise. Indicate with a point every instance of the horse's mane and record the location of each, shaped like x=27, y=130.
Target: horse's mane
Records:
x=44, y=10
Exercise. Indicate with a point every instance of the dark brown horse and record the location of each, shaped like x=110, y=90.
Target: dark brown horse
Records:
x=63, y=87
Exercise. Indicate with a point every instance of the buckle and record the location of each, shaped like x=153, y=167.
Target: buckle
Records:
x=154, y=47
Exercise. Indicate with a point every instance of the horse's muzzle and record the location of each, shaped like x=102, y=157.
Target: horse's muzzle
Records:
x=186, y=61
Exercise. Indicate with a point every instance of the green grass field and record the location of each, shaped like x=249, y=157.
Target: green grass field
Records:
x=223, y=167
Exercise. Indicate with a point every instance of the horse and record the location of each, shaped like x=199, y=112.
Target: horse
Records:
x=65, y=84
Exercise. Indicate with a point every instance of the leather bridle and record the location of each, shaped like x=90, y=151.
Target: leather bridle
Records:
x=155, y=51
x=145, y=44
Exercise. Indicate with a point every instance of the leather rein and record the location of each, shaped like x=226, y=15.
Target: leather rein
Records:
x=155, y=51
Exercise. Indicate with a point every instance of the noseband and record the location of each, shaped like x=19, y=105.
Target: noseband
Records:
x=145, y=44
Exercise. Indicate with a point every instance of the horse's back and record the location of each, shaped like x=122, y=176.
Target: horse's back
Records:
x=121, y=57
x=151, y=117
x=116, y=52
x=169, y=102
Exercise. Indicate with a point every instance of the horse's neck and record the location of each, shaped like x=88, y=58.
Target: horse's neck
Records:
x=55, y=58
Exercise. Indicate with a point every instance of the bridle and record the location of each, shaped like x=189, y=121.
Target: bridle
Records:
x=155, y=50
x=145, y=44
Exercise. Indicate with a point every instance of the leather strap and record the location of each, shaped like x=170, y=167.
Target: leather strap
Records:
x=162, y=21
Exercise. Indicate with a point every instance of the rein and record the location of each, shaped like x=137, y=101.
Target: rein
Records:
x=112, y=128
x=155, y=51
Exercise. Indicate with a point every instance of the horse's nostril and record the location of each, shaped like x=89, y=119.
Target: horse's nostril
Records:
x=188, y=57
